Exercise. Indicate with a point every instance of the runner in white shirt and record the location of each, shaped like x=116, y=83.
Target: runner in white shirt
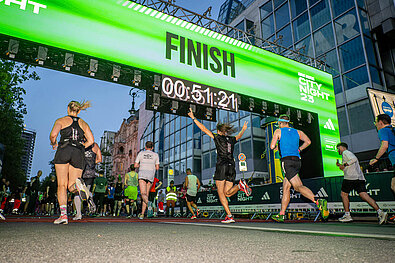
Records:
x=148, y=163
x=354, y=180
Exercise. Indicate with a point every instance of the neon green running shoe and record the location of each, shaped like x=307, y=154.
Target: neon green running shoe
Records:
x=278, y=218
x=323, y=207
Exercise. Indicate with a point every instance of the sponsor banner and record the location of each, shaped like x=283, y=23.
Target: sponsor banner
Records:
x=382, y=102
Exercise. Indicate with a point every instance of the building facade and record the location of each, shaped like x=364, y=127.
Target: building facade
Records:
x=29, y=137
x=340, y=33
x=106, y=148
x=126, y=146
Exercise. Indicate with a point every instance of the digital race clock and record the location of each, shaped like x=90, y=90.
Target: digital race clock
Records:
x=187, y=91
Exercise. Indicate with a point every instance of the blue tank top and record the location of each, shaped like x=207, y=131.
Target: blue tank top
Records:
x=289, y=142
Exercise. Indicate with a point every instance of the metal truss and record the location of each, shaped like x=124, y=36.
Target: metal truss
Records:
x=203, y=20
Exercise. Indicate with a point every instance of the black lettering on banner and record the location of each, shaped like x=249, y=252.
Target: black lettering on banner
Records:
x=169, y=46
x=217, y=67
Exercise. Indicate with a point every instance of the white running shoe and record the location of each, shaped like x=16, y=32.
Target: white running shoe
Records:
x=382, y=217
x=61, y=220
x=2, y=217
x=77, y=218
x=141, y=216
x=345, y=219
x=82, y=189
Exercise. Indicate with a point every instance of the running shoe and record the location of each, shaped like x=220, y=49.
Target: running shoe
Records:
x=228, y=220
x=392, y=219
x=197, y=212
x=141, y=216
x=82, y=189
x=91, y=205
x=323, y=207
x=77, y=218
x=278, y=218
x=382, y=217
x=345, y=219
x=244, y=187
x=2, y=217
x=61, y=220
x=193, y=217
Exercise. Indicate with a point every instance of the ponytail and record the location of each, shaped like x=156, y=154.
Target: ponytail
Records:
x=79, y=106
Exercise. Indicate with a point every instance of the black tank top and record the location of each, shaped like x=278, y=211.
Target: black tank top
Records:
x=225, y=146
x=72, y=135
x=90, y=162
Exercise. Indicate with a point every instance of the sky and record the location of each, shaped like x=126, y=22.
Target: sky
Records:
x=47, y=99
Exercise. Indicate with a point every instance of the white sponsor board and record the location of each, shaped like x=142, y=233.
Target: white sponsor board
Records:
x=382, y=102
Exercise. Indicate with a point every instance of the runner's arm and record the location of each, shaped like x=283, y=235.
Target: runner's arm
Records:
x=186, y=182
x=306, y=141
x=54, y=133
x=238, y=136
x=276, y=137
x=383, y=148
x=88, y=133
x=200, y=125
x=99, y=157
x=198, y=182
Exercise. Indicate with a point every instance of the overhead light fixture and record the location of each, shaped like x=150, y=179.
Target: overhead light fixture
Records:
x=276, y=109
x=299, y=114
x=252, y=104
x=174, y=105
x=156, y=101
x=93, y=65
x=116, y=73
x=157, y=81
x=68, y=61
x=137, y=78
x=309, y=117
x=264, y=106
x=13, y=48
x=209, y=113
x=41, y=55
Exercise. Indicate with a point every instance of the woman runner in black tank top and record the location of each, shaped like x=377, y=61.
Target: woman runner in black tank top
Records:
x=69, y=158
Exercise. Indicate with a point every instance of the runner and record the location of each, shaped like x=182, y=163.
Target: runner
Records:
x=192, y=184
x=148, y=163
x=290, y=162
x=354, y=179
x=225, y=172
x=131, y=184
x=51, y=195
x=152, y=196
x=92, y=157
x=75, y=136
x=118, y=196
x=100, y=189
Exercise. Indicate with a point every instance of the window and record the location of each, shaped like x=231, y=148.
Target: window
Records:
x=166, y=157
x=343, y=126
x=355, y=111
x=172, y=140
x=213, y=158
x=222, y=116
x=177, y=121
x=267, y=26
x=196, y=132
x=351, y=54
x=171, y=126
x=375, y=75
x=370, y=51
x=177, y=138
x=364, y=22
x=286, y=36
x=320, y=14
x=305, y=46
x=183, y=164
x=355, y=78
x=340, y=6
x=346, y=27
x=206, y=160
x=337, y=85
x=282, y=16
x=183, y=134
x=266, y=9
x=177, y=153
x=301, y=27
x=232, y=116
x=190, y=148
x=183, y=150
x=197, y=166
x=331, y=59
x=246, y=148
x=324, y=40
x=183, y=122
x=189, y=164
x=189, y=132
x=298, y=7
x=277, y=3
x=171, y=155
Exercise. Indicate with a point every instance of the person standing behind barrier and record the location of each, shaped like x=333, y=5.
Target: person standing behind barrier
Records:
x=131, y=191
x=34, y=189
x=171, y=198
x=225, y=171
x=92, y=157
x=75, y=136
x=148, y=163
x=99, y=189
x=51, y=195
x=354, y=179
x=288, y=139
x=192, y=184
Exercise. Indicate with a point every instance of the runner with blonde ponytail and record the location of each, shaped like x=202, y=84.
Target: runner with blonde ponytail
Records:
x=75, y=136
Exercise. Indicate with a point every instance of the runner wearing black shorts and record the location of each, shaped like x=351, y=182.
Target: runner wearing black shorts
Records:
x=289, y=148
x=225, y=172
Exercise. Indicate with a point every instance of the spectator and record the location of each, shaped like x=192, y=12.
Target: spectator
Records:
x=182, y=199
x=118, y=196
x=51, y=195
x=161, y=201
x=156, y=184
x=171, y=198
x=34, y=189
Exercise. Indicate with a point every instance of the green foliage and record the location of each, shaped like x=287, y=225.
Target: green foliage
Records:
x=12, y=110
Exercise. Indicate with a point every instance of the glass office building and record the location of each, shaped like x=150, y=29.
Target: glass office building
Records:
x=339, y=33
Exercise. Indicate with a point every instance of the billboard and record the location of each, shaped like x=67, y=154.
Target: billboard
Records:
x=382, y=102
x=131, y=34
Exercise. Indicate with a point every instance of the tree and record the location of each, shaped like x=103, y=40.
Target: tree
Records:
x=12, y=110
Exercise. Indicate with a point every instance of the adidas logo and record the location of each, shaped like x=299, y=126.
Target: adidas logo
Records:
x=265, y=196
x=199, y=201
x=321, y=193
x=329, y=125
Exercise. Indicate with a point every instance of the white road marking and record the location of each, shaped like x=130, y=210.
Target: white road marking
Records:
x=273, y=229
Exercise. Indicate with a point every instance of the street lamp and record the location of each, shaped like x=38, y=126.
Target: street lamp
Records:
x=134, y=95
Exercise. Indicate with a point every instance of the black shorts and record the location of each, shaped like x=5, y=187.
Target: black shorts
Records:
x=151, y=196
x=225, y=171
x=357, y=185
x=71, y=155
x=191, y=198
x=51, y=199
x=291, y=166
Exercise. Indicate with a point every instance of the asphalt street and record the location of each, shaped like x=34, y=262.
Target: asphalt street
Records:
x=186, y=241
